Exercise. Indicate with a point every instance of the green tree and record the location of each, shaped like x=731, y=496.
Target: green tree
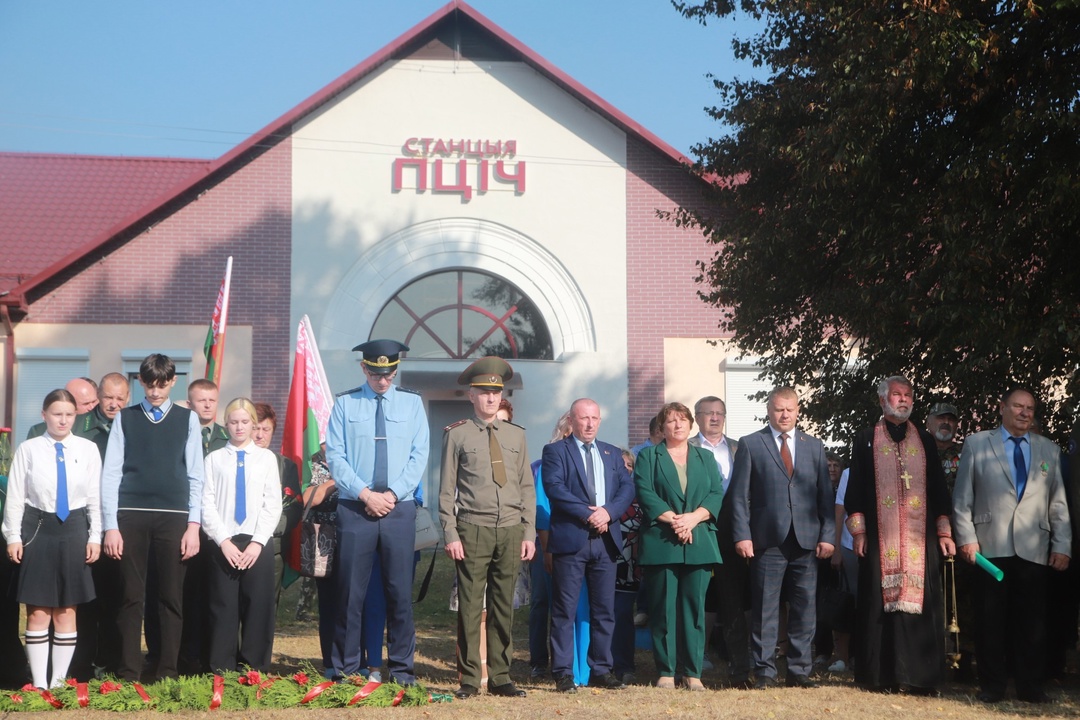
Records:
x=901, y=183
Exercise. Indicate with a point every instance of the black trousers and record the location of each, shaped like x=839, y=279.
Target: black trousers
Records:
x=1011, y=626
x=241, y=603
x=146, y=532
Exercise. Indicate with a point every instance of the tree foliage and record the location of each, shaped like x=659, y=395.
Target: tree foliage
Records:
x=902, y=184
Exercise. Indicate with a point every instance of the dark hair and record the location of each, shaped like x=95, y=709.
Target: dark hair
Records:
x=265, y=411
x=157, y=369
x=58, y=395
x=673, y=407
x=202, y=384
x=504, y=404
x=654, y=424
x=1013, y=389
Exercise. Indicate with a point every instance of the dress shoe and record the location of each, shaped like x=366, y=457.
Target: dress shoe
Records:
x=566, y=684
x=990, y=696
x=505, y=690
x=740, y=682
x=665, y=683
x=764, y=683
x=800, y=681
x=466, y=691
x=693, y=684
x=607, y=681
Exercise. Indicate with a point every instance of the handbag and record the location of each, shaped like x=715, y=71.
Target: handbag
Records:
x=318, y=542
x=426, y=534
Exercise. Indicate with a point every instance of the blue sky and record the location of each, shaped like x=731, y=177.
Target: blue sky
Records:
x=194, y=78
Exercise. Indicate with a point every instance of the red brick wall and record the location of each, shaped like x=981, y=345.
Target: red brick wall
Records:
x=662, y=297
x=170, y=273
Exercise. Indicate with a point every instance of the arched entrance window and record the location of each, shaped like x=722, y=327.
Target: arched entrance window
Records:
x=462, y=314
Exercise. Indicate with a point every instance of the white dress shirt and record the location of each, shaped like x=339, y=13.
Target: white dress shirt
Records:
x=722, y=453
x=262, y=493
x=32, y=481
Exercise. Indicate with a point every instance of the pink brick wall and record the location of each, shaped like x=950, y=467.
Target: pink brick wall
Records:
x=171, y=273
x=662, y=299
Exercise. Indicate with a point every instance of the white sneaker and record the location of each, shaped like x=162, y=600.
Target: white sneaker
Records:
x=838, y=667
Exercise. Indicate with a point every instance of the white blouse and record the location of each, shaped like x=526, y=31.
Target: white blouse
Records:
x=262, y=494
x=32, y=481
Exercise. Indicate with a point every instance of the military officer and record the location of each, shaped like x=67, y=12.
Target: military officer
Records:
x=487, y=506
x=377, y=448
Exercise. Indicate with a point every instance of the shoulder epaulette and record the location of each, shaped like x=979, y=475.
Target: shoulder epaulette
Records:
x=507, y=422
x=451, y=426
x=350, y=392
x=409, y=390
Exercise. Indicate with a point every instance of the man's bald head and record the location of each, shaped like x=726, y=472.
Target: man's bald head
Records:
x=85, y=394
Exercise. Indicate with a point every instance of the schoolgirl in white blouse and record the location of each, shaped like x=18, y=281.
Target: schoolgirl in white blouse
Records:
x=240, y=510
x=52, y=526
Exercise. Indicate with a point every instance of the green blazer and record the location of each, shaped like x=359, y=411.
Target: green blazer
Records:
x=658, y=491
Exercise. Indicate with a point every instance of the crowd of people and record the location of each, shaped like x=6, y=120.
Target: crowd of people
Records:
x=151, y=520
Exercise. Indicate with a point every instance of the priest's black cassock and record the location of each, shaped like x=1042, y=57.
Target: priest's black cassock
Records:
x=897, y=649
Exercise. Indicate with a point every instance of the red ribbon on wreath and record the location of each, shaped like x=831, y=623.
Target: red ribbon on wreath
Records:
x=219, y=692
x=82, y=692
x=364, y=692
x=142, y=693
x=397, y=698
x=316, y=692
x=45, y=695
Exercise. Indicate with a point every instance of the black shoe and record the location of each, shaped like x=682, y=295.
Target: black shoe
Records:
x=505, y=690
x=566, y=684
x=741, y=682
x=466, y=691
x=764, y=682
x=800, y=681
x=606, y=682
x=990, y=696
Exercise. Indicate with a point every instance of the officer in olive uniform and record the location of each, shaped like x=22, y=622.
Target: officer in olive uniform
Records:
x=487, y=506
x=377, y=449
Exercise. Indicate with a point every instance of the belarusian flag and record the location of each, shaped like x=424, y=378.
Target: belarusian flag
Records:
x=214, y=348
x=306, y=417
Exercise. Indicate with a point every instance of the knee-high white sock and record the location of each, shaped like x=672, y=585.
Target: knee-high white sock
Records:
x=37, y=653
x=63, y=648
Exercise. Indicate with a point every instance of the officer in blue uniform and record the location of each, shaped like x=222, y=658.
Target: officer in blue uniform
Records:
x=377, y=448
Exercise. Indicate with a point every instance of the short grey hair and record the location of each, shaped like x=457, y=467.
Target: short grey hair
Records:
x=883, y=386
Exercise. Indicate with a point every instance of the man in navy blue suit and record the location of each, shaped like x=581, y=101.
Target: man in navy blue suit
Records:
x=589, y=489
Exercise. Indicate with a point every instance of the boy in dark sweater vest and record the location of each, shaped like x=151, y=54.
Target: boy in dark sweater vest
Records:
x=151, y=491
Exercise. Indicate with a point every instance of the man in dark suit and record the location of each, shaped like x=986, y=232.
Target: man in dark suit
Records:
x=1010, y=505
x=782, y=519
x=589, y=489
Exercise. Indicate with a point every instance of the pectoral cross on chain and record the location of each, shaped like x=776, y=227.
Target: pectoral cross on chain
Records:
x=906, y=477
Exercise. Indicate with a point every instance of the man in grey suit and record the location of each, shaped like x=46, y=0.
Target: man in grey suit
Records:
x=782, y=519
x=1010, y=505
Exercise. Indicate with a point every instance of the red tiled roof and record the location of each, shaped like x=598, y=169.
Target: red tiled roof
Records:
x=92, y=237
x=51, y=205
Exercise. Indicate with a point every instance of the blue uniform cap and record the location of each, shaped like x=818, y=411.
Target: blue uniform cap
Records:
x=381, y=357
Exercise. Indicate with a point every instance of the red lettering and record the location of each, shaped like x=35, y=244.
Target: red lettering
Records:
x=517, y=176
x=459, y=186
x=440, y=148
x=457, y=146
x=482, y=177
x=510, y=146
x=474, y=150
x=493, y=150
x=421, y=173
x=408, y=148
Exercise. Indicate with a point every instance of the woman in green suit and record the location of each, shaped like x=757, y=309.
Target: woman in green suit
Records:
x=679, y=490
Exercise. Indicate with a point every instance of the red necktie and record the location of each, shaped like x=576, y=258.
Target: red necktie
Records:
x=785, y=455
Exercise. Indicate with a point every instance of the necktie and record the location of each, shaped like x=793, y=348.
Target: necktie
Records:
x=206, y=441
x=785, y=455
x=379, y=481
x=240, y=513
x=61, y=484
x=498, y=470
x=590, y=472
x=157, y=413
x=1020, y=465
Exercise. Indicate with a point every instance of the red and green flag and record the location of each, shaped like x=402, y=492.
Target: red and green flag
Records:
x=214, y=348
x=306, y=418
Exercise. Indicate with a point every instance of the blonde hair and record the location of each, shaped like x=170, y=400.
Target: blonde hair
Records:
x=242, y=403
x=562, y=428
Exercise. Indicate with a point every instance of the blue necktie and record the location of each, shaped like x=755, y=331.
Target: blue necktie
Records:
x=590, y=473
x=61, y=484
x=1020, y=465
x=157, y=413
x=379, y=482
x=240, y=513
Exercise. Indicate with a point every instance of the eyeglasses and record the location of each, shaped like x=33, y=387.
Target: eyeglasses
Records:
x=712, y=414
